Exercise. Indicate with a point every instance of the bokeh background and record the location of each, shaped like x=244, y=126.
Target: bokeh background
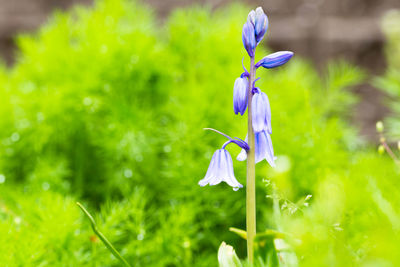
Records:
x=105, y=102
x=317, y=29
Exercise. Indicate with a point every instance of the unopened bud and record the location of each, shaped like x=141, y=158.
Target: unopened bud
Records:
x=398, y=145
x=381, y=150
x=382, y=139
x=275, y=60
x=249, y=38
x=227, y=256
x=379, y=127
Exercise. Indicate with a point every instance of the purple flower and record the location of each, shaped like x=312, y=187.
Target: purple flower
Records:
x=240, y=95
x=263, y=149
x=249, y=38
x=221, y=170
x=261, y=112
x=275, y=60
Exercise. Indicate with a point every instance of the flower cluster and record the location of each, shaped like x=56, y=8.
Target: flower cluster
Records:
x=244, y=94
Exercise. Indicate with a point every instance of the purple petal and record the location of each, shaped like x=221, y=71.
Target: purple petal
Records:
x=267, y=123
x=258, y=113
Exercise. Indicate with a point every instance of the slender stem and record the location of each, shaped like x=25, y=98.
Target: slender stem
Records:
x=102, y=237
x=388, y=150
x=250, y=179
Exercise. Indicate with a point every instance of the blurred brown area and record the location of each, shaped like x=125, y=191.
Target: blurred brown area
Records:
x=317, y=29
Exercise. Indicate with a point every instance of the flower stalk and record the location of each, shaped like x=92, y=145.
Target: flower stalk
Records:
x=250, y=176
x=103, y=239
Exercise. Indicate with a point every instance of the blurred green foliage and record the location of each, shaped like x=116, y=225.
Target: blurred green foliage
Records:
x=107, y=106
x=389, y=82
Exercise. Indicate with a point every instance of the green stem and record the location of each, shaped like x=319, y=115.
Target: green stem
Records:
x=105, y=241
x=250, y=179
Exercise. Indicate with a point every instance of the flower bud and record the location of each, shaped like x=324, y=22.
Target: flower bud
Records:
x=275, y=60
x=379, y=127
x=240, y=95
x=249, y=38
x=251, y=17
x=398, y=145
x=260, y=24
x=381, y=150
x=227, y=256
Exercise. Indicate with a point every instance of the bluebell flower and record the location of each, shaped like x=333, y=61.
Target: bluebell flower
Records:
x=221, y=170
x=249, y=38
x=259, y=21
x=261, y=112
x=275, y=60
x=263, y=149
x=240, y=95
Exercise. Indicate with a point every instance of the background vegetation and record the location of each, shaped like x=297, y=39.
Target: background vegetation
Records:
x=106, y=106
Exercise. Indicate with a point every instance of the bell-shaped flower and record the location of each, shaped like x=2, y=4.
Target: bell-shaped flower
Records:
x=249, y=38
x=221, y=170
x=261, y=112
x=240, y=95
x=275, y=60
x=263, y=149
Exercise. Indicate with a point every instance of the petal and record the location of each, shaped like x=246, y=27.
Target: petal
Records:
x=267, y=121
x=260, y=146
x=270, y=151
x=242, y=155
x=217, y=178
x=230, y=178
x=258, y=113
x=210, y=171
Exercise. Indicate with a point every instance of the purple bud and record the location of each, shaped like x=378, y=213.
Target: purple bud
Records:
x=275, y=60
x=251, y=17
x=221, y=170
x=263, y=149
x=249, y=38
x=260, y=23
x=240, y=95
x=261, y=112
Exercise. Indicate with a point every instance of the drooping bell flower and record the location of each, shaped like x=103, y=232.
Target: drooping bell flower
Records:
x=261, y=112
x=275, y=60
x=221, y=170
x=249, y=38
x=263, y=149
x=240, y=95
